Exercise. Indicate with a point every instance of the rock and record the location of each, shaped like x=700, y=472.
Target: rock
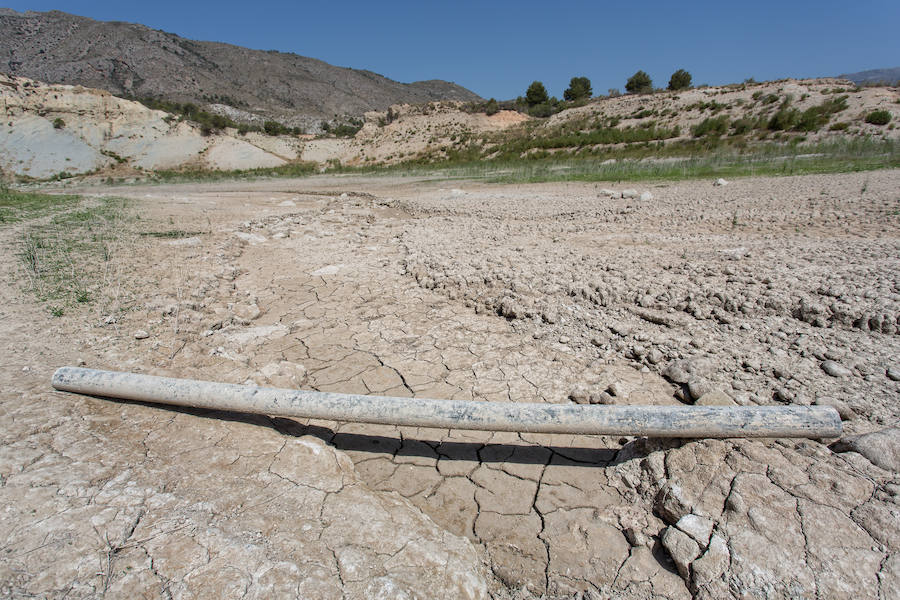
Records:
x=846, y=413
x=140, y=334
x=836, y=369
x=712, y=564
x=602, y=398
x=618, y=390
x=698, y=388
x=580, y=395
x=676, y=374
x=636, y=537
x=882, y=448
x=893, y=373
x=697, y=527
x=682, y=548
x=510, y=309
x=654, y=357
x=610, y=193
x=620, y=328
x=630, y=194
x=720, y=182
x=646, y=197
x=715, y=398
x=671, y=503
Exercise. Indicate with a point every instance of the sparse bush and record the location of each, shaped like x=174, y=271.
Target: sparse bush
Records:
x=579, y=89
x=348, y=129
x=613, y=92
x=680, y=80
x=275, y=128
x=742, y=126
x=536, y=94
x=58, y=123
x=542, y=110
x=639, y=83
x=784, y=119
x=811, y=119
x=878, y=117
x=841, y=126
x=491, y=107
x=714, y=126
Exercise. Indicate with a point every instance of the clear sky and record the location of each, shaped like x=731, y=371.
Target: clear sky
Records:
x=497, y=47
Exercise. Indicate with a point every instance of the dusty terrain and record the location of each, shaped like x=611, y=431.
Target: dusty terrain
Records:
x=761, y=291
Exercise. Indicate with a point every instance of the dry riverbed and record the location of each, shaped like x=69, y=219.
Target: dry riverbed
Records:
x=762, y=291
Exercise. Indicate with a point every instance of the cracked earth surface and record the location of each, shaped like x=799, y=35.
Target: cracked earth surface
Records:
x=547, y=293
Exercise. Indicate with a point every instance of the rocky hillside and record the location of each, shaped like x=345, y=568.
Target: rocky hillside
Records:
x=63, y=130
x=134, y=60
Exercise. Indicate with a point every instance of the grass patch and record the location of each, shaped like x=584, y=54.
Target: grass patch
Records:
x=684, y=160
x=16, y=206
x=187, y=175
x=66, y=255
x=775, y=159
x=172, y=234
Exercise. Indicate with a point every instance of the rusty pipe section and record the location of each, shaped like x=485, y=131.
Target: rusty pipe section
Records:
x=651, y=421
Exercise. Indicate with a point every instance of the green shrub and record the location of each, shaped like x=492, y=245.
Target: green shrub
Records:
x=841, y=126
x=680, y=80
x=784, y=119
x=811, y=119
x=58, y=123
x=275, y=128
x=348, y=129
x=878, y=117
x=639, y=83
x=542, y=110
x=713, y=126
x=742, y=126
x=491, y=107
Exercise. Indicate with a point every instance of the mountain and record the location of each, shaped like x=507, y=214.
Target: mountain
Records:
x=890, y=76
x=133, y=60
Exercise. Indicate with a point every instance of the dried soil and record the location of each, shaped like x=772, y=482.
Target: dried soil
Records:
x=555, y=293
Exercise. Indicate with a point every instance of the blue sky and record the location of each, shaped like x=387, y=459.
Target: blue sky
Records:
x=496, y=48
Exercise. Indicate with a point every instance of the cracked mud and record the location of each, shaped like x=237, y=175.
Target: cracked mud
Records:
x=764, y=291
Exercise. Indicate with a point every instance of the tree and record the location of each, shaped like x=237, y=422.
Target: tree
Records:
x=579, y=88
x=536, y=94
x=639, y=83
x=491, y=107
x=680, y=80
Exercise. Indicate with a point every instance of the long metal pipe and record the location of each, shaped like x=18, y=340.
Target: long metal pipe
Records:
x=651, y=421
